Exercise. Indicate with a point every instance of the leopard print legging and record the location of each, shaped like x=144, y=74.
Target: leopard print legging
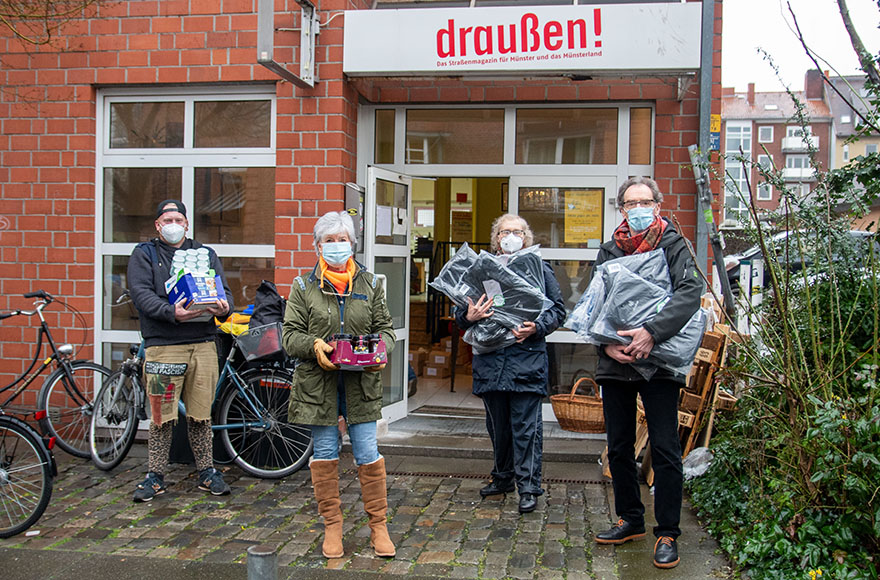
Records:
x=159, y=444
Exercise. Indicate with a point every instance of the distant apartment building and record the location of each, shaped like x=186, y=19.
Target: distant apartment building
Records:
x=848, y=102
x=847, y=110
x=762, y=128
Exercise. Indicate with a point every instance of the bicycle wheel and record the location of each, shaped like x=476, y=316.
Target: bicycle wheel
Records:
x=25, y=477
x=114, y=420
x=275, y=448
x=68, y=406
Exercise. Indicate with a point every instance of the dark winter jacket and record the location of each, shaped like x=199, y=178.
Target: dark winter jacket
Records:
x=311, y=313
x=520, y=367
x=687, y=288
x=148, y=269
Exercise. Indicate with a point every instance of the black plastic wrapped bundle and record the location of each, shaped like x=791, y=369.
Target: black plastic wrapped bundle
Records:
x=447, y=281
x=514, y=299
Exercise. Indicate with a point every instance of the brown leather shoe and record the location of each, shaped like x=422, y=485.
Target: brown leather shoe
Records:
x=620, y=533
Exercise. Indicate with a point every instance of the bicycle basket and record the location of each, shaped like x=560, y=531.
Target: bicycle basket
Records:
x=260, y=342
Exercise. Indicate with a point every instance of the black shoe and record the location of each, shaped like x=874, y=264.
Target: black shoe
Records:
x=621, y=533
x=666, y=552
x=527, y=503
x=497, y=487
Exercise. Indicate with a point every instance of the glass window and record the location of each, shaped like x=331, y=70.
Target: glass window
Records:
x=119, y=312
x=397, y=294
x=131, y=195
x=391, y=382
x=766, y=162
x=797, y=162
x=566, y=136
x=870, y=148
x=448, y=136
x=232, y=124
x=797, y=131
x=569, y=362
x=149, y=125
x=738, y=143
x=846, y=152
x=765, y=192
x=573, y=277
x=234, y=205
x=244, y=276
x=640, y=132
x=564, y=217
x=765, y=134
x=391, y=207
x=384, y=140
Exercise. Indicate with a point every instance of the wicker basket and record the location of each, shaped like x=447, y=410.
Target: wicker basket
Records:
x=579, y=413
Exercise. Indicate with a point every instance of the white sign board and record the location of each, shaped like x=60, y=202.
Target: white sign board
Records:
x=580, y=39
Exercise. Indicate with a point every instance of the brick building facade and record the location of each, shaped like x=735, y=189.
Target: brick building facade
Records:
x=76, y=194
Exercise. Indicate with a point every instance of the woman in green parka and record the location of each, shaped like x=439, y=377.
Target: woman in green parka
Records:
x=339, y=297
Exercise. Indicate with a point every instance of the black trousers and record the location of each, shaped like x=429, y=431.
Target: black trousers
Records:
x=660, y=399
x=517, y=432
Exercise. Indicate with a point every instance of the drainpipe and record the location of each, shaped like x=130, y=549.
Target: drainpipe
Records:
x=706, y=48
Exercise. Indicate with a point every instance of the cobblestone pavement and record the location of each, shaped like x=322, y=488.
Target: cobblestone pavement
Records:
x=441, y=526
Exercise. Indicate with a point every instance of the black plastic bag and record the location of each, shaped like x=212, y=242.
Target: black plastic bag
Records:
x=268, y=305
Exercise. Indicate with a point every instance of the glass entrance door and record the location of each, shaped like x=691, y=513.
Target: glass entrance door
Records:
x=570, y=218
x=387, y=207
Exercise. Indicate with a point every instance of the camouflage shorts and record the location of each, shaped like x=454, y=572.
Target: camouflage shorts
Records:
x=185, y=372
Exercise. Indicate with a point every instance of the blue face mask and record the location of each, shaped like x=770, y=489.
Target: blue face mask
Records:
x=336, y=253
x=639, y=218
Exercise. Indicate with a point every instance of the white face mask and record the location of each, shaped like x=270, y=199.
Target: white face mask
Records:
x=172, y=233
x=511, y=243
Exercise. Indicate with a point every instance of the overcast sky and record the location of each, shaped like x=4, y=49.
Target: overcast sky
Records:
x=749, y=24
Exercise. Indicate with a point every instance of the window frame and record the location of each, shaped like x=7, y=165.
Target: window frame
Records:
x=761, y=128
x=731, y=213
x=187, y=158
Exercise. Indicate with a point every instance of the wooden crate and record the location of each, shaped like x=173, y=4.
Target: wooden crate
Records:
x=690, y=401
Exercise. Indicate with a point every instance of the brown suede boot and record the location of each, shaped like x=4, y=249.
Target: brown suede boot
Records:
x=325, y=480
x=375, y=494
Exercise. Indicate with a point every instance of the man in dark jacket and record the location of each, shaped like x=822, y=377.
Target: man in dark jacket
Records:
x=181, y=355
x=512, y=381
x=644, y=230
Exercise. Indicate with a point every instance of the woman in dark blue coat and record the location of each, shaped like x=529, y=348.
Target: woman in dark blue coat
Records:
x=512, y=381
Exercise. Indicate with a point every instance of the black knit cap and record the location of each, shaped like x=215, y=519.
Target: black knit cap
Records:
x=178, y=206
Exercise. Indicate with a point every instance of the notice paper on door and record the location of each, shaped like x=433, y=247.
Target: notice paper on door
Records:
x=399, y=226
x=383, y=220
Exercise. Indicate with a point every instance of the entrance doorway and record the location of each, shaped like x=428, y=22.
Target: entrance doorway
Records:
x=570, y=218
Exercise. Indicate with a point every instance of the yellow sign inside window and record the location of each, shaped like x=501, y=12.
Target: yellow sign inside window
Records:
x=583, y=215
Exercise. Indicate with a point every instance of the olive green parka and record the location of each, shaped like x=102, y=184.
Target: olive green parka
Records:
x=315, y=313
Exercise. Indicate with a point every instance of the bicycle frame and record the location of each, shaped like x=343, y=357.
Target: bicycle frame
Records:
x=256, y=407
x=26, y=378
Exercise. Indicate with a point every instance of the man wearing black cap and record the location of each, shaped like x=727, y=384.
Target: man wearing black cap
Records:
x=181, y=356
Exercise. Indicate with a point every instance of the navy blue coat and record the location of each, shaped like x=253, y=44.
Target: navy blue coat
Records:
x=520, y=367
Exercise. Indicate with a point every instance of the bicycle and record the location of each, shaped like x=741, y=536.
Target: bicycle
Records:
x=65, y=397
x=249, y=411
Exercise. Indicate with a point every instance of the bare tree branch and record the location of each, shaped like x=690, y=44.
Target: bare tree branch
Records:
x=865, y=58
x=865, y=120
x=36, y=22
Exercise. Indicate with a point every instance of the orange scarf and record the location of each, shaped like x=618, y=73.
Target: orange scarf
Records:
x=340, y=280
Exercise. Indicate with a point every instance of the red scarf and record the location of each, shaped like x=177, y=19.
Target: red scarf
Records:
x=639, y=242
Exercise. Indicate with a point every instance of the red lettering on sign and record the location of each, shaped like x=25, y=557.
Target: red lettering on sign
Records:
x=502, y=48
x=533, y=35
x=530, y=31
x=552, y=34
x=448, y=34
x=483, y=40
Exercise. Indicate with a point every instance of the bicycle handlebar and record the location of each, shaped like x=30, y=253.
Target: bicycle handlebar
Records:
x=40, y=294
x=9, y=314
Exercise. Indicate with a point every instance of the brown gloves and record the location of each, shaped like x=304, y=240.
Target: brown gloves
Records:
x=322, y=349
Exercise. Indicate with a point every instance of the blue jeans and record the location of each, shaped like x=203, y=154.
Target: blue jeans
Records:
x=363, y=442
